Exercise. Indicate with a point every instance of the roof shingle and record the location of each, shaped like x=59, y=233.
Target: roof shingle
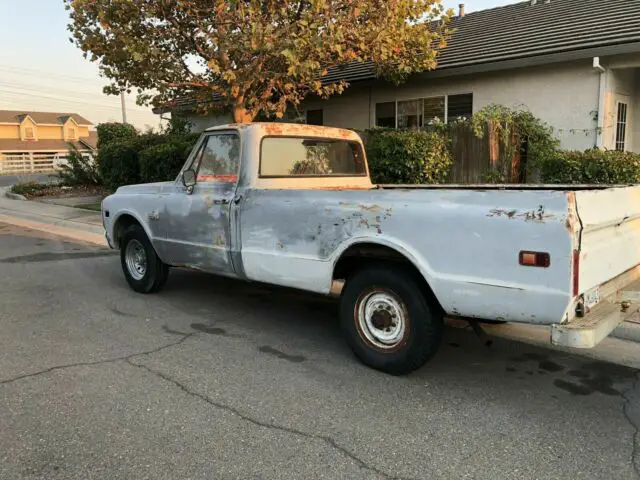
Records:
x=53, y=118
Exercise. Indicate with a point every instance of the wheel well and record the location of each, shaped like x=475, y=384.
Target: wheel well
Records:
x=123, y=222
x=360, y=255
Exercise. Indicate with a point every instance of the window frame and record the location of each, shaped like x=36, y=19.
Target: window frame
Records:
x=307, y=137
x=422, y=99
x=26, y=133
x=200, y=147
x=621, y=127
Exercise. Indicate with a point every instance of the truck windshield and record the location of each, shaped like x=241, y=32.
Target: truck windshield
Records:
x=299, y=157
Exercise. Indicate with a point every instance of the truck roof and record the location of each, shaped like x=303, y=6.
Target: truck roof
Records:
x=266, y=129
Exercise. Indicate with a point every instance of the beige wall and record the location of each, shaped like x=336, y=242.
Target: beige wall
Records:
x=49, y=133
x=9, y=131
x=635, y=127
x=349, y=110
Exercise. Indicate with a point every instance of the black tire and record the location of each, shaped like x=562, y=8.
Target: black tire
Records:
x=422, y=334
x=156, y=272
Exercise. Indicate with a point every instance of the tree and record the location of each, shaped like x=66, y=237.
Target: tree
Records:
x=256, y=56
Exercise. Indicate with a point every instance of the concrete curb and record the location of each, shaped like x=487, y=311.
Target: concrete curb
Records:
x=628, y=331
x=60, y=228
x=14, y=196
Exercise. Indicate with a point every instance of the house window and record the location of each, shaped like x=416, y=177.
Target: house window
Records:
x=28, y=133
x=621, y=127
x=460, y=106
x=410, y=114
x=314, y=117
x=434, y=109
x=424, y=111
x=386, y=114
x=71, y=133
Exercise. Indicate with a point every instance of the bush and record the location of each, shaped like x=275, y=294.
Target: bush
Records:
x=29, y=188
x=408, y=156
x=108, y=132
x=605, y=167
x=162, y=162
x=78, y=170
x=145, y=158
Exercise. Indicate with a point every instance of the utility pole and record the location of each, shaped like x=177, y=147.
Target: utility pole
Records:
x=124, y=108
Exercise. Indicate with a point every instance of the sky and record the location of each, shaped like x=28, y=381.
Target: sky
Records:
x=40, y=70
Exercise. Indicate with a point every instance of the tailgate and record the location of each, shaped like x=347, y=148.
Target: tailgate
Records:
x=610, y=236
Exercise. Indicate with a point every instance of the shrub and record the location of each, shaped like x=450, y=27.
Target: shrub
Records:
x=108, y=132
x=78, y=170
x=408, y=156
x=118, y=164
x=593, y=166
x=162, y=162
x=29, y=188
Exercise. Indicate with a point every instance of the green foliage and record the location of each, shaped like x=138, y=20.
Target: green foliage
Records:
x=514, y=128
x=78, y=170
x=145, y=158
x=118, y=164
x=108, y=132
x=408, y=156
x=608, y=167
x=29, y=188
x=162, y=162
x=275, y=60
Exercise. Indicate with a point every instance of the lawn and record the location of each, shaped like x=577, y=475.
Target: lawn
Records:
x=90, y=206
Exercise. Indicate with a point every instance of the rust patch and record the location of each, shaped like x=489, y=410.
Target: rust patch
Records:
x=364, y=222
x=371, y=208
x=280, y=245
x=219, y=241
x=538, y=215
x=499, y=212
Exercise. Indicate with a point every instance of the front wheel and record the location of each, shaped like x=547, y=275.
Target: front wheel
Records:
x=388, y=321
x=143, y=269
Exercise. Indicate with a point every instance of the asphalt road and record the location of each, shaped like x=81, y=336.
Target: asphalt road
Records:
x=217, y=379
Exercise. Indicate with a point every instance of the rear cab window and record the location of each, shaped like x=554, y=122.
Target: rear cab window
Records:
x=295, y=157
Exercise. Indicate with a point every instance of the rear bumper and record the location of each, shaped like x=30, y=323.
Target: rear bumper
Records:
x=621, y=300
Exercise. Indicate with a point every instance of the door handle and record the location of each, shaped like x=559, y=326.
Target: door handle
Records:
x=237, y=199
x=222, y=201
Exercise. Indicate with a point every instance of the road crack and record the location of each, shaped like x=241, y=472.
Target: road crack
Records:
x=97, y=362
x=221, y=406
x=634, y=420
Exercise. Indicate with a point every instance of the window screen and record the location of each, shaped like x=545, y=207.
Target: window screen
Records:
x=433, y=109
x=291, y=157
x=218, y=159
x=460, y=106
x=621, y=127
x=386, y=114
x=410, y=114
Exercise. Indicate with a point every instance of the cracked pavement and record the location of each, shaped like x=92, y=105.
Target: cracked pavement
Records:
x=213, y=378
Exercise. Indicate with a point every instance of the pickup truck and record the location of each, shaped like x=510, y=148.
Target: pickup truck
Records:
x=293, y=205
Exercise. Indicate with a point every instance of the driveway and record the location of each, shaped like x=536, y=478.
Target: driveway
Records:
x=217, y=379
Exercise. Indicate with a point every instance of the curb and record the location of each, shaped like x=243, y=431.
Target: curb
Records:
x=627, y=331
x=70, y=233
x=14, y=196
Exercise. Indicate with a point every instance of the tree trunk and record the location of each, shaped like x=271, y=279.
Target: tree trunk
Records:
x=242, y=115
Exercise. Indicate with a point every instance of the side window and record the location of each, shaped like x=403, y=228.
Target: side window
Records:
x=219, y=159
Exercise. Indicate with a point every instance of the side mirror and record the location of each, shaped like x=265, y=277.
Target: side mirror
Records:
x=189, y=179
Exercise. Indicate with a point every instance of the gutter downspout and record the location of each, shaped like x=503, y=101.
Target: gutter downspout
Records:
x=601, y=102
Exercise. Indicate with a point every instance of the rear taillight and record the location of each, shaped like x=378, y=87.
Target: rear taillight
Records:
x=576, y=273
x=535, y=259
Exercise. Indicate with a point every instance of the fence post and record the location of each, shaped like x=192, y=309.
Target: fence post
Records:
x=32, y=167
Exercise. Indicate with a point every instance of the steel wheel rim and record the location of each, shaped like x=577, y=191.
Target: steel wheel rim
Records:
x=382, y=319
x=135, y=258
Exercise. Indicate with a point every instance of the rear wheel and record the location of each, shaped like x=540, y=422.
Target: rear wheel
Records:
x=143, y=269
x=388, y=321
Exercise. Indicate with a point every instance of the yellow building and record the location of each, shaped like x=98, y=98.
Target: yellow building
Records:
x=39, y=141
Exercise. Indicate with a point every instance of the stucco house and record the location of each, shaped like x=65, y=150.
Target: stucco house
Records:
x=573, y=63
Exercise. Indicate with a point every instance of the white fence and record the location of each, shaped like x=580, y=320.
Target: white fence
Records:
x=21, y=163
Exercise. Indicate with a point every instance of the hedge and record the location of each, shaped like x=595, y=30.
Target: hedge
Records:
x=108, y=132
x=143, y=159
x=591, y=167
x=408, y=156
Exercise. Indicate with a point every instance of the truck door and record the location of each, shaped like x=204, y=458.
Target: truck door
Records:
x=197, y=222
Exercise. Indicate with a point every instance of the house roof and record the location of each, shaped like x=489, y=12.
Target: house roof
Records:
x=16, y=116
x=525, y=31
x=12, y=145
